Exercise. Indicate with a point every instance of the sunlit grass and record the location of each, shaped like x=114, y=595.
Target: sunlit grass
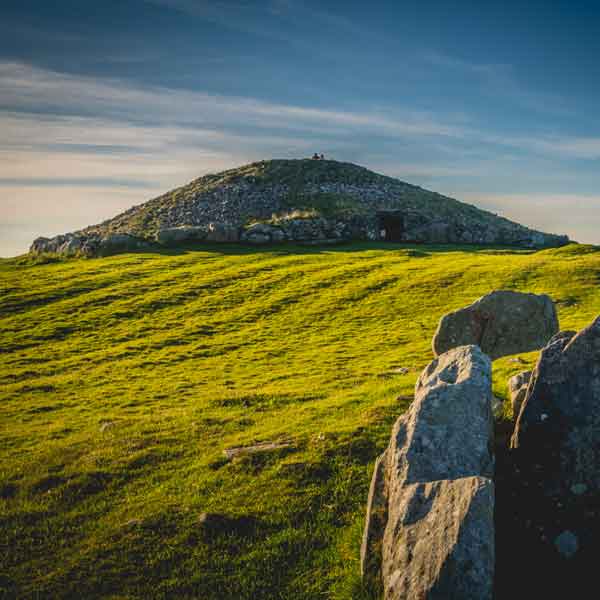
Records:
x=123, y=379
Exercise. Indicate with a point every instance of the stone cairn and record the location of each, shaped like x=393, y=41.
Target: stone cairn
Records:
x=446, y=518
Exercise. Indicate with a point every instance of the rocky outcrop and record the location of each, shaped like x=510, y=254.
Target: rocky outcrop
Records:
x=558, y=429
x=429, y=531
x=72, y=244
x=302, y=201
x=502, y=322
x=517, y=388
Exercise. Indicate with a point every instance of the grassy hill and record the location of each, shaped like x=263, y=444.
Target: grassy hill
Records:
x=123, y=379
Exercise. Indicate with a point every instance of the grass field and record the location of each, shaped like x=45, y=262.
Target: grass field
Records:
x=123, y=379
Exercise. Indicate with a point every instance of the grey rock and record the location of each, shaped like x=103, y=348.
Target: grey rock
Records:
x=174, y=235
x=558, y=428
x=429, y=530
x=502, y=322
x=260, y=447
x=448, y=428
x=497, y=407
x=567, y=544
x=106, y=426
x=222, y=232
x=439, y=542
x=517, y=388
x=115, y=243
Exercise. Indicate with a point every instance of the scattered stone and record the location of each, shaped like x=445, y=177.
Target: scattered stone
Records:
x=501, y=323
x=567, y=544
x=516, y=359
x=400, y=370
x=231, y=453
x=429, y=521
x=517, y=388
x=579, y=489
x=106, y=426
x=133, y=523
x=393, y=372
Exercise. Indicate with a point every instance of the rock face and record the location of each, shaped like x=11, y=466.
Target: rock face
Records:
x=78, y=244
x=431, y=502
x=502, y=322
x=558, y=429
x=517, y=388
x=302, y=201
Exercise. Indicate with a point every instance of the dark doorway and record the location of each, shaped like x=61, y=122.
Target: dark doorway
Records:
x=392, y=225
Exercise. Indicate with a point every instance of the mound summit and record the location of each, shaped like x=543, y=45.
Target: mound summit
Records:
x=301, y=200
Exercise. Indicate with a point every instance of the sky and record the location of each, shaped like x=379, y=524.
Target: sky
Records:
x=107, y=104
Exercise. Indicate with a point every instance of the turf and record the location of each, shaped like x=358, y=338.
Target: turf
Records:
x=123, y=380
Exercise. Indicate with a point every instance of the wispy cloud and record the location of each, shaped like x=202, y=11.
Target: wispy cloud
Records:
x=25, y=87
x=501, y=82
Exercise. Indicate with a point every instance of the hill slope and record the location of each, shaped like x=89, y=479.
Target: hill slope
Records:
x=298, y=200
x=125, y=378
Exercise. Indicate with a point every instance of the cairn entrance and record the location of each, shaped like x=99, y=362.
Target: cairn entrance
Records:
x=391, y=226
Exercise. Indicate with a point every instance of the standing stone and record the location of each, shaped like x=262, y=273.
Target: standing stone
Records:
x=429, y=527
x=558, y=429
x=502, y=322
x=440, y=541
x=517, y=388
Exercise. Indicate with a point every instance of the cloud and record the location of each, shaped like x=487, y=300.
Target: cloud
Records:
x=500, y=81
x=576, y=147
x=29, y=88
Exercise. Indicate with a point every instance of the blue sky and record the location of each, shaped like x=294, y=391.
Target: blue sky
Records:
x=106, y=104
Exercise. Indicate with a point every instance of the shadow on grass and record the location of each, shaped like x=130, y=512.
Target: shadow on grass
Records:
x=284, y=249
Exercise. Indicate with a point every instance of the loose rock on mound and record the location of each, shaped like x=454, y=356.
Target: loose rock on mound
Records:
x=429, y=531
x=502, y=322
x=302, y=201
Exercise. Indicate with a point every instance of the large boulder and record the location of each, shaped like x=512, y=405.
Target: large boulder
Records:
x=502, y=322
x=222, y=232
x=558, y=429
x=186, y=233
x=262, y=233
x=441, y=544
x=429, y=531
x=69, y=244
x=115, y=243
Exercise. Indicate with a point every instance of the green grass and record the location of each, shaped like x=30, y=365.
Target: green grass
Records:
x=123, y=379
